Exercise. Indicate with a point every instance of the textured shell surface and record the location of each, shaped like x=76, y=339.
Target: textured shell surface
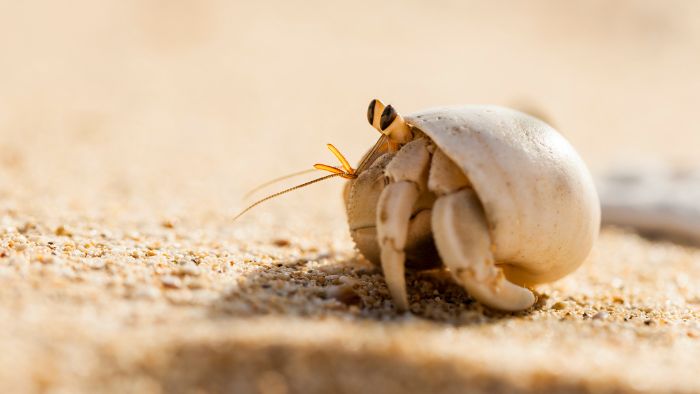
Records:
x=538, y=195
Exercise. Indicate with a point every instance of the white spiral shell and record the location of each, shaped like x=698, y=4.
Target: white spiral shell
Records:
x=538, y=196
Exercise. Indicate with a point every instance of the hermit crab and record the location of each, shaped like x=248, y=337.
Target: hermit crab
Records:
x=496, y=196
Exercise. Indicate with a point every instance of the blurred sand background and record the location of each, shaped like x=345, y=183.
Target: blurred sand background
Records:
x=129, y=130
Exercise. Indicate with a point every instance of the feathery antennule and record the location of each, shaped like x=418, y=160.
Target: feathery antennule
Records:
x=347, y=172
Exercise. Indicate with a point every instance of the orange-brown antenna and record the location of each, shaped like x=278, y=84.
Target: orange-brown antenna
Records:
x=380, y=145
x=253, y=205
x=346, y=172
x=273, y=181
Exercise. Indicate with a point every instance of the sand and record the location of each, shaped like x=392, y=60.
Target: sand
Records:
x=170, y=307
x=130, y=130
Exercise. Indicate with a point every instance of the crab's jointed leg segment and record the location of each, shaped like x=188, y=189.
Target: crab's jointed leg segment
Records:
x=394, y=212
x=462, y=237
x=407, y=173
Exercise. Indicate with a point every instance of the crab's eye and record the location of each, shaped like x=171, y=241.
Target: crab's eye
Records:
x=387, y=118
x=370, y=111
x=373, y=113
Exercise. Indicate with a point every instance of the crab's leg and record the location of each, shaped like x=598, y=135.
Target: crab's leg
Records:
x=462, y=238
x=407, y=173
x=394, y=212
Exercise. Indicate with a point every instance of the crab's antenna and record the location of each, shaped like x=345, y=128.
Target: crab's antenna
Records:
x=346, y=172
x=273, y=181
x=311, y=182
x=380, y=144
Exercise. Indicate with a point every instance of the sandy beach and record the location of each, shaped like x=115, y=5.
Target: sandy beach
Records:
x=130, y=131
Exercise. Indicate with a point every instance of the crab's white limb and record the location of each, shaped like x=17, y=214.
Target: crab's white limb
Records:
x=445, y=176
x=408, y=174
x=410, y=164
x=463, y=241
x=394, y=212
